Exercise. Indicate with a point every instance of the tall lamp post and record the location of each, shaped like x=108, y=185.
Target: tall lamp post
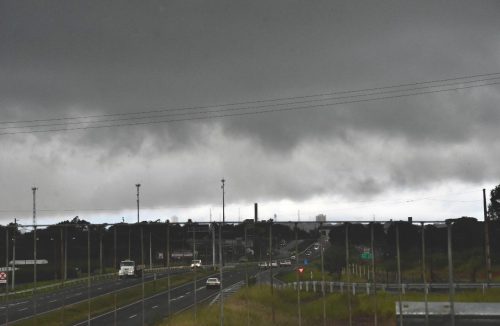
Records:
x=138, y=185
x=223, y=202
x=221, y=297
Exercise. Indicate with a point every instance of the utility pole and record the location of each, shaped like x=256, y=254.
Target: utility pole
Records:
x=88, y=274
x=487, y=238
x=195, y=278
x=299, y=312
x=168, y=268
x=221, y=292
x=223, y=202
x=100, y=249
x=129, y=233
x=400, y=304
x=34, y=189
x=424, y=277
x=150, y=253
x=212, y=225
x=143, y=267
x=271, y=267
x=14, y=257
x=65, y=253
x=374, y=278
x=138, y=185
x=323, y=277
x=450, y=276
x=61, y=244
x=349, y=305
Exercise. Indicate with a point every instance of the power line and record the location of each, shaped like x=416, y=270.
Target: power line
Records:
x=318, y=106
x=251, y=107
x=260, y=101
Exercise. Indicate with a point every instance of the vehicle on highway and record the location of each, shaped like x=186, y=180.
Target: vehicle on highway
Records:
x=308, y=252
x=274, y=263
x=128, y=268
x=213, y=283
x=293, y=257
x=285, y=262
x=316, y=246
x=196, y=263
x=263, y=264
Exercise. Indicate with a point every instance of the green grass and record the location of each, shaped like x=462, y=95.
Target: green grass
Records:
x=258, y=310
x=79, y=311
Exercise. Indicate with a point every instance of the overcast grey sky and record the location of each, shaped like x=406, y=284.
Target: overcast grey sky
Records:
x=427, y=155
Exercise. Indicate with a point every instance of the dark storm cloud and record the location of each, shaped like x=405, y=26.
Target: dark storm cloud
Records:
x=69, y=59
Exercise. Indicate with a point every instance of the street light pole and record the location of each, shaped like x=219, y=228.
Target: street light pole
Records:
x=221, y=292
x=34, y=189
x=223, y=202
x=138, y=185
x=487, y=238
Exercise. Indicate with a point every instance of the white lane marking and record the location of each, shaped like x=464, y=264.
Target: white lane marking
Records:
x=53, y=301
x=18, y=303
x=132, y=316
x=154, y=307
x=200, y=288
x=187, y=293
x=99, y=288
x=23, y=309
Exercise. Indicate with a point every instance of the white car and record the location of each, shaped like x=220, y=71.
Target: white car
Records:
x=213, y=283
x=196, y=263
x=285, y=262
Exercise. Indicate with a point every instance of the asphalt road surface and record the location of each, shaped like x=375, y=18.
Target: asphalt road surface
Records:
x=156, y=307
x=24, y=308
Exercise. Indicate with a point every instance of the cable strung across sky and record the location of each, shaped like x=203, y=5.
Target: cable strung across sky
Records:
x=265, y=106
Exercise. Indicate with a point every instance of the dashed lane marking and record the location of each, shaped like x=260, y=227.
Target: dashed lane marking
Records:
x=154, y=307
x=133, y=316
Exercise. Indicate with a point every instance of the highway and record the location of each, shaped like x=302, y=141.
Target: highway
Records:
x=156, y=307
x=45, y=302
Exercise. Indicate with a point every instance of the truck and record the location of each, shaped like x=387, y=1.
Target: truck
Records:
x=196, y=263
x=128, y=268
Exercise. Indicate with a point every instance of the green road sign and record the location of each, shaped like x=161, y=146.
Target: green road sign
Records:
x=366, y=255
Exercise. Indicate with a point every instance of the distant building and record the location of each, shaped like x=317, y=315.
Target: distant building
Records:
x=321, y=218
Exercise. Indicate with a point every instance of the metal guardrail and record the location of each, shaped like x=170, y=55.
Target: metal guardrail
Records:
x=367, y=287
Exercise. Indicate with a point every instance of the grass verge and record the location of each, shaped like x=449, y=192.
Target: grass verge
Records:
x=257, y=310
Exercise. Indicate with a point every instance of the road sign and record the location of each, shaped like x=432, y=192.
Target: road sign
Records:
x=301, y=269
x=306, y=262
x=7, y=269
x=3, y=278
x=366, y=255
x=29, y=262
